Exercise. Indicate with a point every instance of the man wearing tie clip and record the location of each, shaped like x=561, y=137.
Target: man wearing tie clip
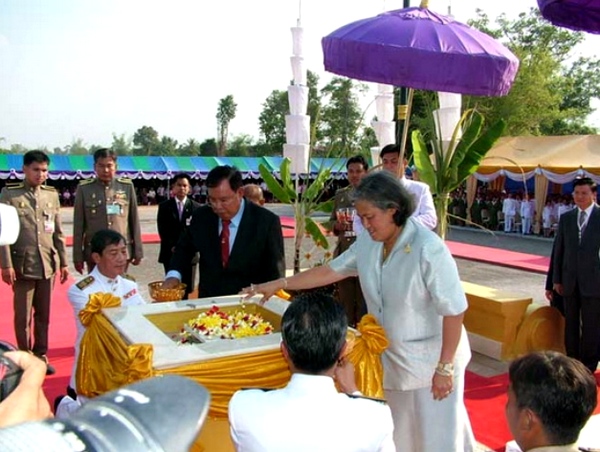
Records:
x=576, y=273
x=239, y=242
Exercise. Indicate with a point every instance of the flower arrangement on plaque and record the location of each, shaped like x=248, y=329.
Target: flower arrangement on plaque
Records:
x=219, y=324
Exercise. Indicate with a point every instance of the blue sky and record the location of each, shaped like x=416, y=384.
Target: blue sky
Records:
x=87, y=68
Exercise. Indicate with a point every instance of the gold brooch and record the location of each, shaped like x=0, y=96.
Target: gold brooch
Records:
x=407, y=249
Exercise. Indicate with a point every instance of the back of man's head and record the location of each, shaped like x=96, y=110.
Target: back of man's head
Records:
x=254, y=193
x=558, y=390
x=313, y=329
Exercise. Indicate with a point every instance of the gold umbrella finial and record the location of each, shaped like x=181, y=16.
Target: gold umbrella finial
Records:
x=424, y=4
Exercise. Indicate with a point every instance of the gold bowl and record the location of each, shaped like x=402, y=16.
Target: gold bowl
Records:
x=159, y=294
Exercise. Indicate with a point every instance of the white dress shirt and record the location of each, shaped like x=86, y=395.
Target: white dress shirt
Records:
x=125, y=289
x=424, y=212
x=309, y=414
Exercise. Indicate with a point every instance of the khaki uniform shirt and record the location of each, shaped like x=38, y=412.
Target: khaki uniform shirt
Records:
x=342, y=200
x=99, y=206
x=39, y=251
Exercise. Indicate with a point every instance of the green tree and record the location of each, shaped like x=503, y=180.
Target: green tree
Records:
x=241, y=146
x=77, y=147
x=121, y=144
x=225, y=114
x=272, y=121
x=146, y=141
x=209, y=147
x=552, y=91
x=190, y=148
x=341, y=116
x=18, y=149
x=167, y=147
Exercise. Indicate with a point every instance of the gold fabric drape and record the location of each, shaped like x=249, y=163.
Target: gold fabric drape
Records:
x=541, y=190
x=366, y=357
x=106, y=362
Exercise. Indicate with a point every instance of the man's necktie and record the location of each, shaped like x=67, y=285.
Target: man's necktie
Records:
x=180, y=209
x=225, y=242
x=581, y=223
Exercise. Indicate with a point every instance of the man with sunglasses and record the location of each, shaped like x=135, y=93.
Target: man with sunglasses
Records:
x=239, y=242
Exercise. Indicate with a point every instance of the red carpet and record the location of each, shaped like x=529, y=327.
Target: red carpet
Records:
x=62, y=335
x=485, y=399
x=496, y=256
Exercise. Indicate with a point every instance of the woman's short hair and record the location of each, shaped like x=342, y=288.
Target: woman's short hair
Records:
x=384, y=191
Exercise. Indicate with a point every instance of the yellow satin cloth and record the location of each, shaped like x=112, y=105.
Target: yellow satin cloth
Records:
x=106, y=362
x=366, y=356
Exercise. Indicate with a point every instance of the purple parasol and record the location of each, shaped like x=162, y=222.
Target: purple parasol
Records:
x=580, y=15
x=417, y=48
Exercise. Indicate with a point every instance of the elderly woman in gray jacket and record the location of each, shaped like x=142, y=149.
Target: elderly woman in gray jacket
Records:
x=411, y=285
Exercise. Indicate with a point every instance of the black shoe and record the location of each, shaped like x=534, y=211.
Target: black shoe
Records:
x=50, y=370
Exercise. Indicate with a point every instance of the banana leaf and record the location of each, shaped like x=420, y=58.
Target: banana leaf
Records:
x=479, y=149
x=422, y=160
x=274, y=186
x=313, y=229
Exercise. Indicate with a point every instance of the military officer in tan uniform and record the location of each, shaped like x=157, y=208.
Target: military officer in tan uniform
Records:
x=29, y=265
x=105, y=203
x=349, y=293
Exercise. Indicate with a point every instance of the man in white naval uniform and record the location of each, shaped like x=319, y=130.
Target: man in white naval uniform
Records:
x=424, y=209
x=309, y=413
x=109, y=252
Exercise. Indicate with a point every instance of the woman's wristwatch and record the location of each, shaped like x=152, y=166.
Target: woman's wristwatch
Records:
x=445, y=369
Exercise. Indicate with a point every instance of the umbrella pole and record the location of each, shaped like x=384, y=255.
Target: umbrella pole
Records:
x=405, y=128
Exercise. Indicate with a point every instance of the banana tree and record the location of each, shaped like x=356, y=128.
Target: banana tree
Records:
x=304, y=205
x=451, y=164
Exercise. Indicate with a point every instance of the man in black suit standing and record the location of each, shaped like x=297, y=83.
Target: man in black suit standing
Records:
x=576, y=273
x=174, y=216
x=239, y=242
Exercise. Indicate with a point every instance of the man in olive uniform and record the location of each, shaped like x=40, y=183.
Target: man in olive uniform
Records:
x=30, y=264
x=105, y=203
x=349, y=293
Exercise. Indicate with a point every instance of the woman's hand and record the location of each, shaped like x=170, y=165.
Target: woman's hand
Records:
x=441, y=386
x=267, y=289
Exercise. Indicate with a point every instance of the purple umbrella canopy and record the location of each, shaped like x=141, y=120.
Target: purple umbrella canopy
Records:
x=580, y=15
x=417, y=48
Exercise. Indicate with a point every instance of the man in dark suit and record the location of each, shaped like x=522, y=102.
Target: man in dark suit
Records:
x=239, y=242
x=576, y=273
x=174, y=216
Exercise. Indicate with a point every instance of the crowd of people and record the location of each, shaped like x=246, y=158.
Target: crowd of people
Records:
x=389, y=264
x=509, y=212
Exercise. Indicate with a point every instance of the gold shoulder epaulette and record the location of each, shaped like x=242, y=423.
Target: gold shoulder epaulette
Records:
x=15, y=185
x=86, y=181
x=128, y=276
x=125, y=180
x=48, y=187
x=85, y=282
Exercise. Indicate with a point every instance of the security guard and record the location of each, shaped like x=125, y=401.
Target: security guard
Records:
x=29, y=265
x=349, y=292
x=105, y=203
